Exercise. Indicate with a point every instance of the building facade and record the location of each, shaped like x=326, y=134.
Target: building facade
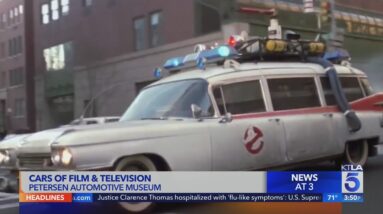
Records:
x=16, y=66
x=72, y=33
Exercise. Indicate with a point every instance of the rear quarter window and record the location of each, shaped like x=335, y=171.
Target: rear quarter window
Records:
x=293, y=93
x=350, y=85
x=368, y=90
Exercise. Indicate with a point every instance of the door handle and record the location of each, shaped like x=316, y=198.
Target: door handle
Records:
x=275, y=120
x=330, y=115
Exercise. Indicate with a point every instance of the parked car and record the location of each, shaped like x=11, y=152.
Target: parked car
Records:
x=235, y=110
x=10, y=144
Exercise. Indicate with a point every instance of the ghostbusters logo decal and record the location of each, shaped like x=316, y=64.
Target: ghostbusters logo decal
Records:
x=253, y=140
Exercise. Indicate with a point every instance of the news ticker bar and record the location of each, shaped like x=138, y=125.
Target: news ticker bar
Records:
x=188, y=197
x=319, y=186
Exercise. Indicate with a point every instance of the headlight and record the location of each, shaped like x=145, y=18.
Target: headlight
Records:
x=66, y=157
x=61, y=157
x=56, y=157
x=4, y=157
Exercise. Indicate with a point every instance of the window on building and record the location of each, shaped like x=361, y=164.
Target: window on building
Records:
x=87, y=3
x=45, y=16
x=16, y=77
x=208, y=19
x=3, y=83
x=17, y=16
x=155, y=33
x=15, y=46
x=55, y=12
x=5, y=20
x=10, y=47
x=58, y=57
x=2, y=50
x=19, y=108
x=11, y=20
x=293, y=93
x=64, y=7
x=21, y=9
x=240, y=98
x=1, y=22
x=140, y=33
x=19, y=44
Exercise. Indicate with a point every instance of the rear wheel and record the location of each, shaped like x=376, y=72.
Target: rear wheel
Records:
x=136, y=163
x=356, y=153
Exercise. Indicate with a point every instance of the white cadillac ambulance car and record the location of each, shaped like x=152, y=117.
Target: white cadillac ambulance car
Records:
x=255, y=104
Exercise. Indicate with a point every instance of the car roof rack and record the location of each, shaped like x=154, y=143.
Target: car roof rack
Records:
x=254, y=49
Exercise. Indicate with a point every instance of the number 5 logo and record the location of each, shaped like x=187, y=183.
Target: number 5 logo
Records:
x=352, y=182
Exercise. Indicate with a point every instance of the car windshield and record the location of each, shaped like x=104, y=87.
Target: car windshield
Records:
x=172, y=99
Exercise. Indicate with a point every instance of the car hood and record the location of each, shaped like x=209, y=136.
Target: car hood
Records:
x=13, y=142
x=106, y=133
x=39, y=141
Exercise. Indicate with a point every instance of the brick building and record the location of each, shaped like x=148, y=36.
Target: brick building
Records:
x=16, y=66
x=73, y=33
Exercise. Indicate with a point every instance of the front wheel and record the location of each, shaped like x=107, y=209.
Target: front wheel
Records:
x=356, y=153
x=137, y=163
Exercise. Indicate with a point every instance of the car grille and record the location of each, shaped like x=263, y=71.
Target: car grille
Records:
x=39, y=162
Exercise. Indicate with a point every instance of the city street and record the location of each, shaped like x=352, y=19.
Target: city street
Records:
x=9, y=203
x=373, y=175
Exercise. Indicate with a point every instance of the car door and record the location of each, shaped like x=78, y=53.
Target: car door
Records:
x=309, y=130
x=252, y=139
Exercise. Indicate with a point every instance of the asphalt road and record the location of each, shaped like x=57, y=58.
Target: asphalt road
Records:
x=373, y=191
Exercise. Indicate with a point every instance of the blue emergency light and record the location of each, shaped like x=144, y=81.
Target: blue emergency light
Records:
x=196, y=59
x=157, y=73
x=174, y=62
x=337, y=55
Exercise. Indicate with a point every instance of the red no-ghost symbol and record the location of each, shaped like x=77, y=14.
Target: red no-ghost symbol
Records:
x=253, y=140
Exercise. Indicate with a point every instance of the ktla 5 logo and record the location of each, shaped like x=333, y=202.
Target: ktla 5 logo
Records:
x=352, y=182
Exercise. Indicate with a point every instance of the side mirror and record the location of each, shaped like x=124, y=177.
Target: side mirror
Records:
x=227, y=118
x=196, y=110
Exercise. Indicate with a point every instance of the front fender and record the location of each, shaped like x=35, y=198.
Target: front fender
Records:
x=182, y=152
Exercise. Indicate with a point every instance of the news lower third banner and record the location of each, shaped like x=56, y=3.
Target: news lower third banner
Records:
x=272, y=186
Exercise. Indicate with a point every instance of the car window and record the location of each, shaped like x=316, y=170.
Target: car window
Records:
x=293, y=93
x=366, y=86
x=350, y=85
x=172, y=99
x=327, y=91
x=351, y=88
x=240, y=98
